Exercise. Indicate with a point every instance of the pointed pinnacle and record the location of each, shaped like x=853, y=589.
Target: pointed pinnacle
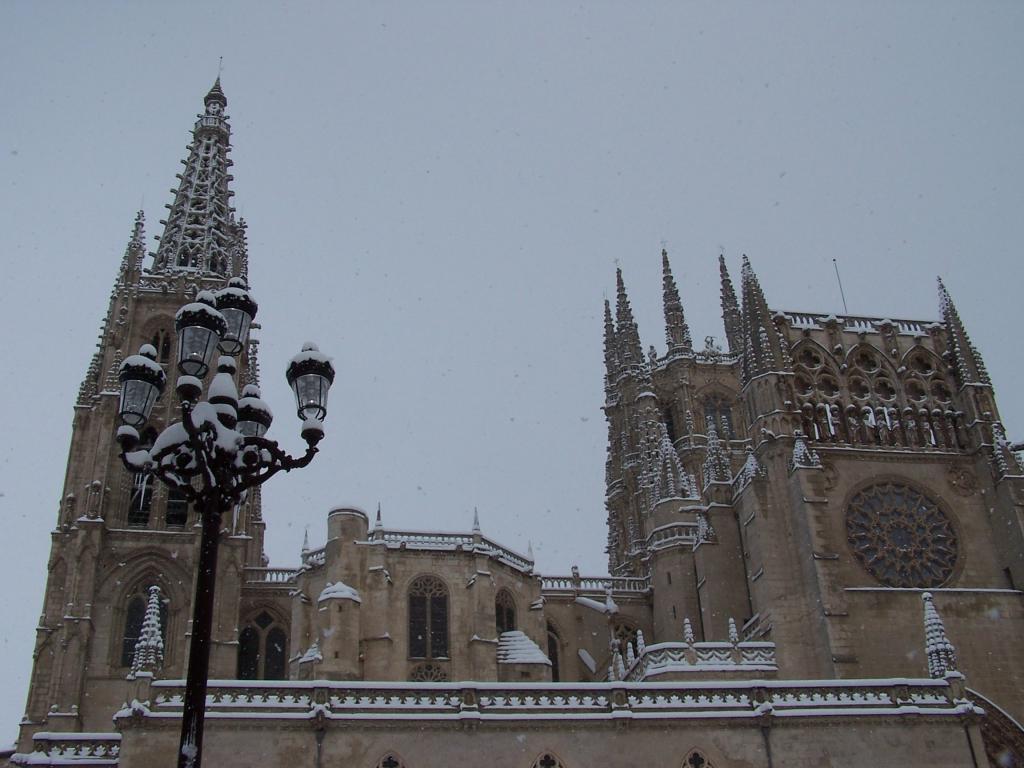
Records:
x=305, y=540
x=377, y=523
x=216, y=93
x=677, y=332
x=476, y=521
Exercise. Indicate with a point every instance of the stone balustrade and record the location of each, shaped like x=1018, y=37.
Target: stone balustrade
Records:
x=53, y=749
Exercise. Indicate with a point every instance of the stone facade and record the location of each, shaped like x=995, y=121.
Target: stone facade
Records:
x=781, y=516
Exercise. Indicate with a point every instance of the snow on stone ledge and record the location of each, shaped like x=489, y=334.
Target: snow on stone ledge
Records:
x=516, y=648
x=339, y=591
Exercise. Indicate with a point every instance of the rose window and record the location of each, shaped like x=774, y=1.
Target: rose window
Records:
x=901, y=537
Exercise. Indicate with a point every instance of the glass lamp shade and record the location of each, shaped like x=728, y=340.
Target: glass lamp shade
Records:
x=310, y=375
x=200, y=327
x=239, y=308
x=142, y=380
x=254, y=417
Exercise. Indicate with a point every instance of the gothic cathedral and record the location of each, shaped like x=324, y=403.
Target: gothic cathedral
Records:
x=815, y=549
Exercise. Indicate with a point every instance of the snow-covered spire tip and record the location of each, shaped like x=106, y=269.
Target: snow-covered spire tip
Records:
x=940, y=651
x=149, y=648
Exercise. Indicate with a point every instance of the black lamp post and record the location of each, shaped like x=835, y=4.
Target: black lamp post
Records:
x=218, y=449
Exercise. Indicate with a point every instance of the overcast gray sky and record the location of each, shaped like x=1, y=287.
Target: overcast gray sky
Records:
x=438, y=194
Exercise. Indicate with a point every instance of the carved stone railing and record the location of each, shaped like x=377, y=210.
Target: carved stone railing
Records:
x=753, y=658
x=53, y=749
x=671, y=535
x=595, y=584
x=857, y=323
x=314, y=558
x=254, y=575
x=466, y=542
x=268, y=701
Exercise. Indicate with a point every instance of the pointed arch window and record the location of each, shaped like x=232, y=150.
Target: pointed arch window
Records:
x=141, y=500
x=718, y=414
x=428, y=619
x=554, y=645
x=134, y=614
x=390, y=760
x=262, y=650
x=505, y=611
x=162, y=344
x=176, y=513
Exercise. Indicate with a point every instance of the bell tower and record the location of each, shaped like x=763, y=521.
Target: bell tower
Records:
x=118, y=533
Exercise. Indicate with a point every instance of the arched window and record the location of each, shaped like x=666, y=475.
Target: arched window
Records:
x=390, y=760
x=554, y=644
x=670, y=423
x=135, y=613
x=162, y=344
x=505, y=611
x=718, y=414
x=177, y=508
x=141, y=500
x=262, y=650
x=428, y=619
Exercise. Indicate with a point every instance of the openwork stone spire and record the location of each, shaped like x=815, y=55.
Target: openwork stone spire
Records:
x=730, y=310
x=940, y=651
x=149, y=649
x=763, y=347
x=967, y=363
x=611, y=354
x=717, y=468
x=200, y=232
x=677, y=332
x=631, y=355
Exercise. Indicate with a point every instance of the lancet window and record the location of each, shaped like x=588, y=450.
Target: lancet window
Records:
x=505, y=611
x=554, y=646
x=428, y=619
x=162, y=344
x=141, y=500
x=176, y=512
x=262, y=649
x=718, y=414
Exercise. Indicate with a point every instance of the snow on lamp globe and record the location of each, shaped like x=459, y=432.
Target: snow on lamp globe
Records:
x=142, y=380
x=200, y=327
x=310, y=375
x=239, y=309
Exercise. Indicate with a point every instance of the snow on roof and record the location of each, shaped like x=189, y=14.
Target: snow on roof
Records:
x=516, y=648
x=339, y=590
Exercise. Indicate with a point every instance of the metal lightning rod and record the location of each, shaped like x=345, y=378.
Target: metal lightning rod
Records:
x=839, y=280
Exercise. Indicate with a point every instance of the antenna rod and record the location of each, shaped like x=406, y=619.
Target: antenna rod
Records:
x=840, y=281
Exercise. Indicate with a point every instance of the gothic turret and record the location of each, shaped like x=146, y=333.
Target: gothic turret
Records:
x=730, y=310
x=200, y=232
x=677, y=332
x=631, y=356
x=611, y=355
x=940, y=651
x=964, y=357
x=764, y=349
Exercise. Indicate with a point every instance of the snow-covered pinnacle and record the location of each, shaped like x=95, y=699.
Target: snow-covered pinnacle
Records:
x=671, y=480
x=940, y=651
x=688, y=632
x=965, y=359
x=764, y=349
x=627, y=336
x=149, y=648
x=734, y=635
x=751, y=468
x=730, y=310
x=611, y=352
x=476, y=521
x=803, y=457
x=200, y=232
x=677, y=332
x=717, y=468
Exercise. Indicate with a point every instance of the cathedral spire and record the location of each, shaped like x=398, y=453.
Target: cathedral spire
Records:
x=940, y=651
x=149, y=649
x=200, y=232
x=730, y=310
x=631, y=356
x=611, y=355
x=677, y=332
x=966, y=362
x=764, y=350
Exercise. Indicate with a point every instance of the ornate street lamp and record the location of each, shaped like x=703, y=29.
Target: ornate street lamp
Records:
x=217, y=451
